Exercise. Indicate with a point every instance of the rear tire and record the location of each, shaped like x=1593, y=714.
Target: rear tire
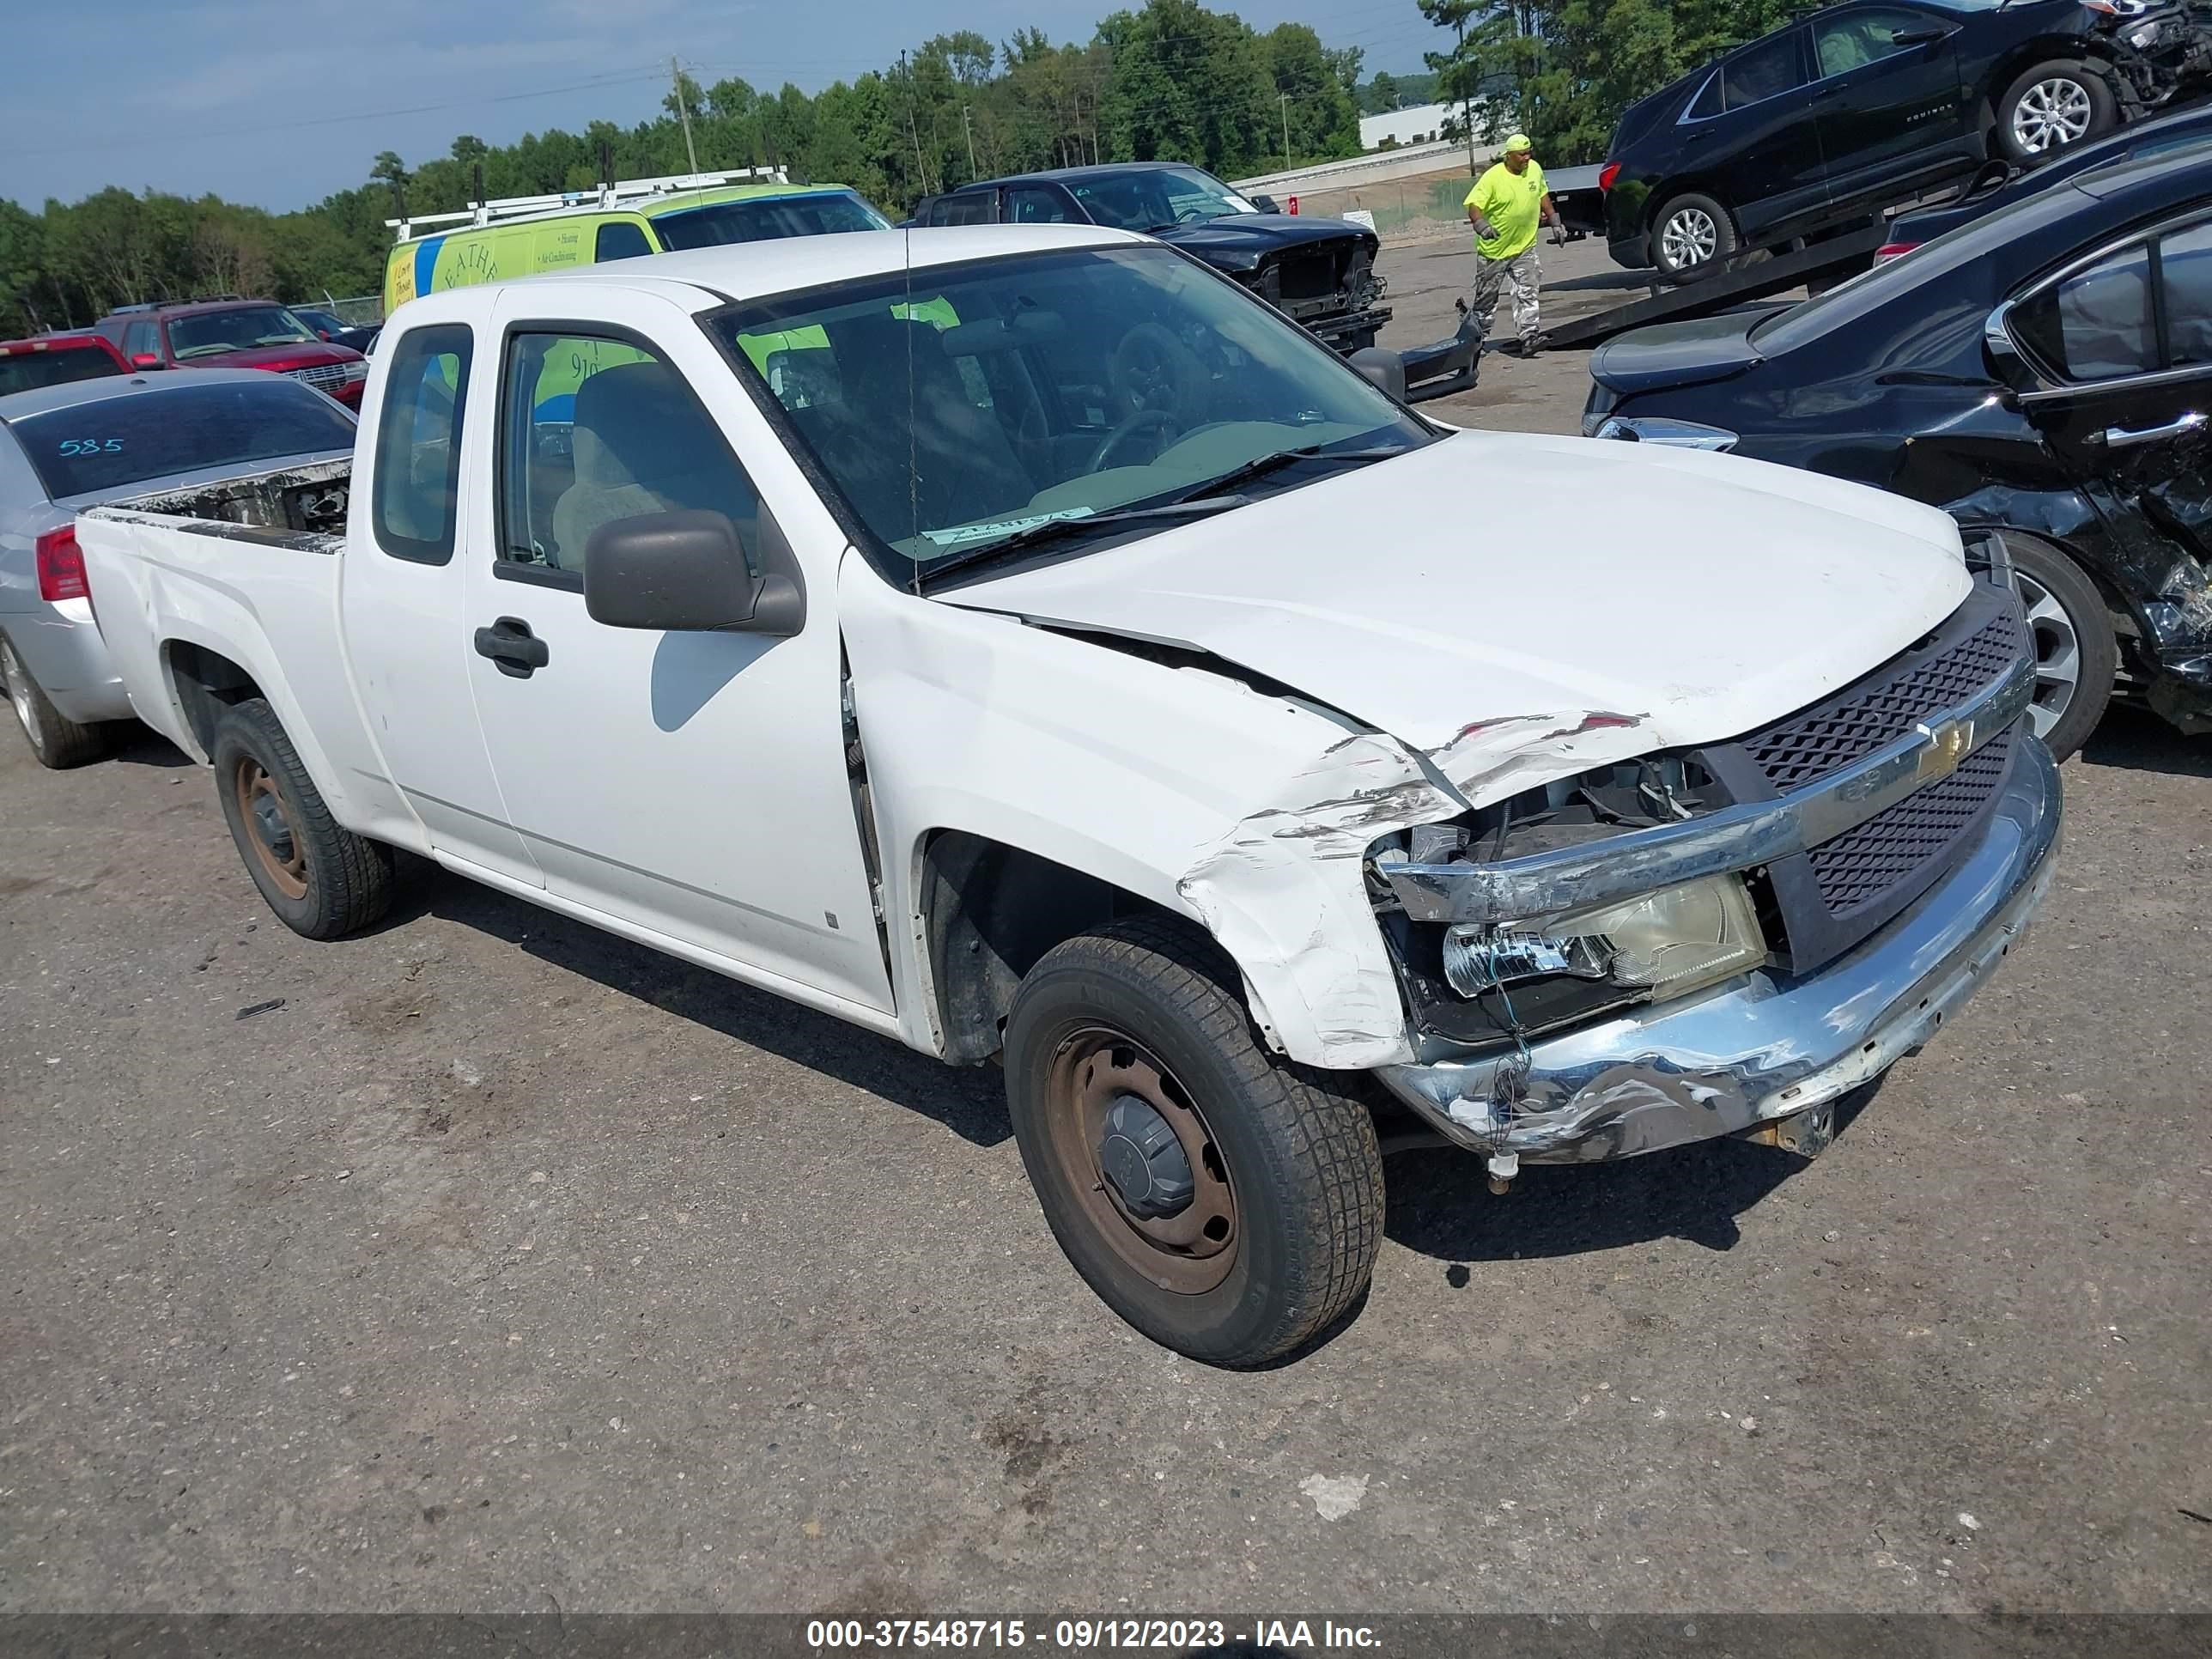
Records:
x=58, y=742
x=2051, y=107
x=1692, y=237
x=323, y=881
x=1277, y=1238
x=2076, y=653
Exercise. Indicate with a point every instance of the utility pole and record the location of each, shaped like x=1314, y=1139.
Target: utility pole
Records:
x=1467, y=104
x=683, y=110
x=1285, y=98
x=967, y=127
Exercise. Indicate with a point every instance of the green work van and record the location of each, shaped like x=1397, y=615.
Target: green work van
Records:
x=524, y=237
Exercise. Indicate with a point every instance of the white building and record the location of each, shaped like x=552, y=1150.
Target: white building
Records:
x=1407, y=126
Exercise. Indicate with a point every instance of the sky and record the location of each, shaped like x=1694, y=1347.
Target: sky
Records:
x=280, y=102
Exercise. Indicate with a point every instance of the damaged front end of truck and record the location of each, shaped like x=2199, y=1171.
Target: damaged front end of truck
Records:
x=1670, y=947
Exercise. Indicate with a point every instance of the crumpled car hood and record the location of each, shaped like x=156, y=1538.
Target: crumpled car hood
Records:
x=1511, y=577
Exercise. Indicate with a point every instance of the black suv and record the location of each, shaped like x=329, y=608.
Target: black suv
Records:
x=2044, y=373
x=1320, y=272
x=1863, y=106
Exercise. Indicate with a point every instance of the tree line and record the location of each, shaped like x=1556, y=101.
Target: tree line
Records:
x=1171, y=81
x=1563, y=70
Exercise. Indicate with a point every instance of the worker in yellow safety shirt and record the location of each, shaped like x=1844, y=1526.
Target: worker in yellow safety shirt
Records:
x=1505, y=207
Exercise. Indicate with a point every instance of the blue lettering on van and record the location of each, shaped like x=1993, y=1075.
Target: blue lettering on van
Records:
x=426, y=263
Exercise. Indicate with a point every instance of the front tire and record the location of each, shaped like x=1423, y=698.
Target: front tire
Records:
x=323, y=881
x=1225, y=1201
x=2076, y=653
x=58, y=742
x=2051, y=107
x=1692, y=237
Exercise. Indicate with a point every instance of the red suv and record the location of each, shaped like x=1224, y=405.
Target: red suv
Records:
x=236, y=334
x=55, y=360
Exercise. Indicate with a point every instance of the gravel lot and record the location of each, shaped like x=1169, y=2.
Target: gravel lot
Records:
x=505, y=1267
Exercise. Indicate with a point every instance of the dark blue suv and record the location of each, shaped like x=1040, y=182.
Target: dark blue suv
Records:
x=1869, y=104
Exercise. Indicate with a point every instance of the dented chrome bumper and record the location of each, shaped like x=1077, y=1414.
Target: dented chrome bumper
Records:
x=1768, y=1045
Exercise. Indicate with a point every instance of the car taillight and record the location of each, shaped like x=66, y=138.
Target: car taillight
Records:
x=61, y=565
x=1607, y=174
x=1889, y=251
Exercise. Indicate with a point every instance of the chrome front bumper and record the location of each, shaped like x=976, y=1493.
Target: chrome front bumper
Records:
x=1768, y=1045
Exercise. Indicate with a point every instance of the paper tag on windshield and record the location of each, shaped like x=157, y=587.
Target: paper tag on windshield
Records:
x=960, y=535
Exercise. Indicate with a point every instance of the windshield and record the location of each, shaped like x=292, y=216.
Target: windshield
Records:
x=106, y=444
x=22, y=371
x=966, y=404
x=206, y=333
x=766, y=219
x=1155, y=198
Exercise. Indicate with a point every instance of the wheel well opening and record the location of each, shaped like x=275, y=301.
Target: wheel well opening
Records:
x=206, y=684
x=989, y=913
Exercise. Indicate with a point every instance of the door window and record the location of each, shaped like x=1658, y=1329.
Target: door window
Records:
x=1766, y=70
x=619, y=239
x=596, y=430
x=1707, y=103
x=418, y=443
x=1035, y=204
x=138, y=340
x=2098, y=324
x=2185, y=267
x=1853, y=40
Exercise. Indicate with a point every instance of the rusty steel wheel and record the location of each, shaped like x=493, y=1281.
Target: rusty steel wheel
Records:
x=272, y=836
x=1225, y=1201
x=1136, y=1151
x=319, y=877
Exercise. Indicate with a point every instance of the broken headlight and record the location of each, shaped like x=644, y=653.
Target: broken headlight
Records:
x=1661, y=945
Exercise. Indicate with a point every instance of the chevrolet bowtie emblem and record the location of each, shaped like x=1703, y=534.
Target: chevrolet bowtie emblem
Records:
x=1948, y=744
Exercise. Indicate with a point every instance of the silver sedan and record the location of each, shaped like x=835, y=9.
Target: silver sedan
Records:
x=63, y=448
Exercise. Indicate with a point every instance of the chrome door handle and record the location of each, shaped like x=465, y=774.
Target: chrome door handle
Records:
x=2119, y=437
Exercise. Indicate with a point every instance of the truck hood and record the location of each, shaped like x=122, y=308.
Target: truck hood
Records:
x=1490, y=577
x=1247, y=238
x=280, y=358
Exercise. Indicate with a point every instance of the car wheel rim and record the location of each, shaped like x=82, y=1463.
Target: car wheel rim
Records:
x=2057, y=655
x=2051, y=114
x=269, y=831
x=1096, y=1071
x=1690, y=238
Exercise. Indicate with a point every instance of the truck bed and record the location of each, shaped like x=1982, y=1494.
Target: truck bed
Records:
x=235, y=585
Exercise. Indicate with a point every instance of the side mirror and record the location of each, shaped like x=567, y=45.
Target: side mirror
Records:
x=144, y=360
x=1383, y=368
x=1266, y=203
x=685, y=572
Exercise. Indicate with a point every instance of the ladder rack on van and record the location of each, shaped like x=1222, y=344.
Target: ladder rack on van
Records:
x=600, y=196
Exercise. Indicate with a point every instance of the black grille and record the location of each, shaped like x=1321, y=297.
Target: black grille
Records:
x=1875, y=712
x=1309, y=276
x=1866, y=864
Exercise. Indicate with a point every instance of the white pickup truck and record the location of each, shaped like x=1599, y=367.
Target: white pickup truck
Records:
x=1022, y=643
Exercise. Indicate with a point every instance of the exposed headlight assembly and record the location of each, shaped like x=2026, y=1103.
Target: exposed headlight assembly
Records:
x=2143, y=39
x=1668, y=434
x=1664, y=945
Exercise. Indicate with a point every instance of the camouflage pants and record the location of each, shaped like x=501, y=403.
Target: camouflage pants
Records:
x=1524, y=274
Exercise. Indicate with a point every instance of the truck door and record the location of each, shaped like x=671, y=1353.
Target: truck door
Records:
x=692, y=784
x=404, y=591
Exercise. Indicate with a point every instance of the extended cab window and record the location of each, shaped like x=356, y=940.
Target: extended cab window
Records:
x=418, y=443
x=595, y=430
x=619, y=239
x=1040, y=204
x=974, y=208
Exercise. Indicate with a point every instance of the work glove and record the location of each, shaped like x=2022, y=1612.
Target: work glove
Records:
x=1558, y=235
